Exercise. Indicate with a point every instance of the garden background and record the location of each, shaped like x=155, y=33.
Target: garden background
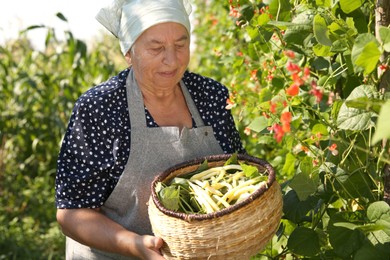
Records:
x=309, y=89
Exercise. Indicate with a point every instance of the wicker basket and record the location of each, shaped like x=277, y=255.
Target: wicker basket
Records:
x=236, y=232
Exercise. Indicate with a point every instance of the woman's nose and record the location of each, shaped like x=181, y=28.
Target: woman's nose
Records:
x=170, y=56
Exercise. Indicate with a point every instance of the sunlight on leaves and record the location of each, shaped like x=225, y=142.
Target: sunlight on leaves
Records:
x=321, y=30
x=384, y=34
x=350, y=5
x=382, y=129
x=356, y=119
x=365, y=53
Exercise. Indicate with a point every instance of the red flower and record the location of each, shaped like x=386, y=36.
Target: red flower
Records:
x=230, y=104
x=293, y=67
x=306, y=72
x=254, y=75
x=316, y=91
x=234, y=12
x=289, y=54
x=270, y=75
x=285, y=119
x=297, y=79
x=333, y=149
x=383, y=67
x=278, y=132
x=293, y=90
x=315, y=162
x=272, y=107
x=214, y=20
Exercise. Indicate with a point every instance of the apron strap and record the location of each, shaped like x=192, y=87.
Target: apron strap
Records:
x=191, y=105
x=135, y=101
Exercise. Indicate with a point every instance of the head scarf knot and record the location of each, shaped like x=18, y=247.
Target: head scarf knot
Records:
x=128, y=19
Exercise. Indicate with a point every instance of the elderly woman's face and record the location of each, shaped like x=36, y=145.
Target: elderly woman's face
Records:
x=161, y=55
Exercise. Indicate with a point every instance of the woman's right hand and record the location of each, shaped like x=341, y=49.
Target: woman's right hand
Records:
x=91, y=228
x=149, y=246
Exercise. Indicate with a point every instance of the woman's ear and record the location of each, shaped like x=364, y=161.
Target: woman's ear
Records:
x=128, y=57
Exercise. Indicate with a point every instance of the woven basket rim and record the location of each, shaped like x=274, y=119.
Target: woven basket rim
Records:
x=212, y=158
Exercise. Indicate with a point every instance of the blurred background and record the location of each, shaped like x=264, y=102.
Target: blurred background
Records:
x=15, y=16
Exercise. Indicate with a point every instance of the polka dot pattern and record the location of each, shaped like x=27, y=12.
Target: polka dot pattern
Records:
x=97, y=142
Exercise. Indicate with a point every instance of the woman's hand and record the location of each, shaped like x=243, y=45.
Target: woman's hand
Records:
x=93, y=229
x=149, y=246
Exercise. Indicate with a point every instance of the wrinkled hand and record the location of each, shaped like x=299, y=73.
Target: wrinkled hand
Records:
x=149, y=247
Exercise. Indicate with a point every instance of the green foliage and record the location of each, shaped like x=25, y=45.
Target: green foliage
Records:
x=37, y=91
x=383, y=123
x=304, y=79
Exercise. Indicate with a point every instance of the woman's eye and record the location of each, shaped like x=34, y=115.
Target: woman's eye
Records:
x=156, y=50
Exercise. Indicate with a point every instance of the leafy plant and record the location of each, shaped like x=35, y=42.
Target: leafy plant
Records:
x=304, y=79
x=37, y=91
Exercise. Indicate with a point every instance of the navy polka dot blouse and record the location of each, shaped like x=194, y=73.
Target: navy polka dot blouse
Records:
x=97, y=142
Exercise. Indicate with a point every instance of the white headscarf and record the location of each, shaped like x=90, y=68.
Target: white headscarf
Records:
x=128, y=19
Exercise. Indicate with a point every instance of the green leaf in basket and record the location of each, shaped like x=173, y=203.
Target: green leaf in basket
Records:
x=170, y=197
x=179, y=181
x=232, y=160
x=250, y=171
x=204, y=166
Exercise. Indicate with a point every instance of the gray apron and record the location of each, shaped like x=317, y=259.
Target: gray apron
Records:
x=152, y=151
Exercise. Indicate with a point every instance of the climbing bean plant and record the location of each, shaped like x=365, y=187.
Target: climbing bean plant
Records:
x=304, y=78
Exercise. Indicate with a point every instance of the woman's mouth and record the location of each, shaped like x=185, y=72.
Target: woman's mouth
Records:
x=167, y=74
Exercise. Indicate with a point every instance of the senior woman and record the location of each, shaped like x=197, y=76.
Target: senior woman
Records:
x=154, y=114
